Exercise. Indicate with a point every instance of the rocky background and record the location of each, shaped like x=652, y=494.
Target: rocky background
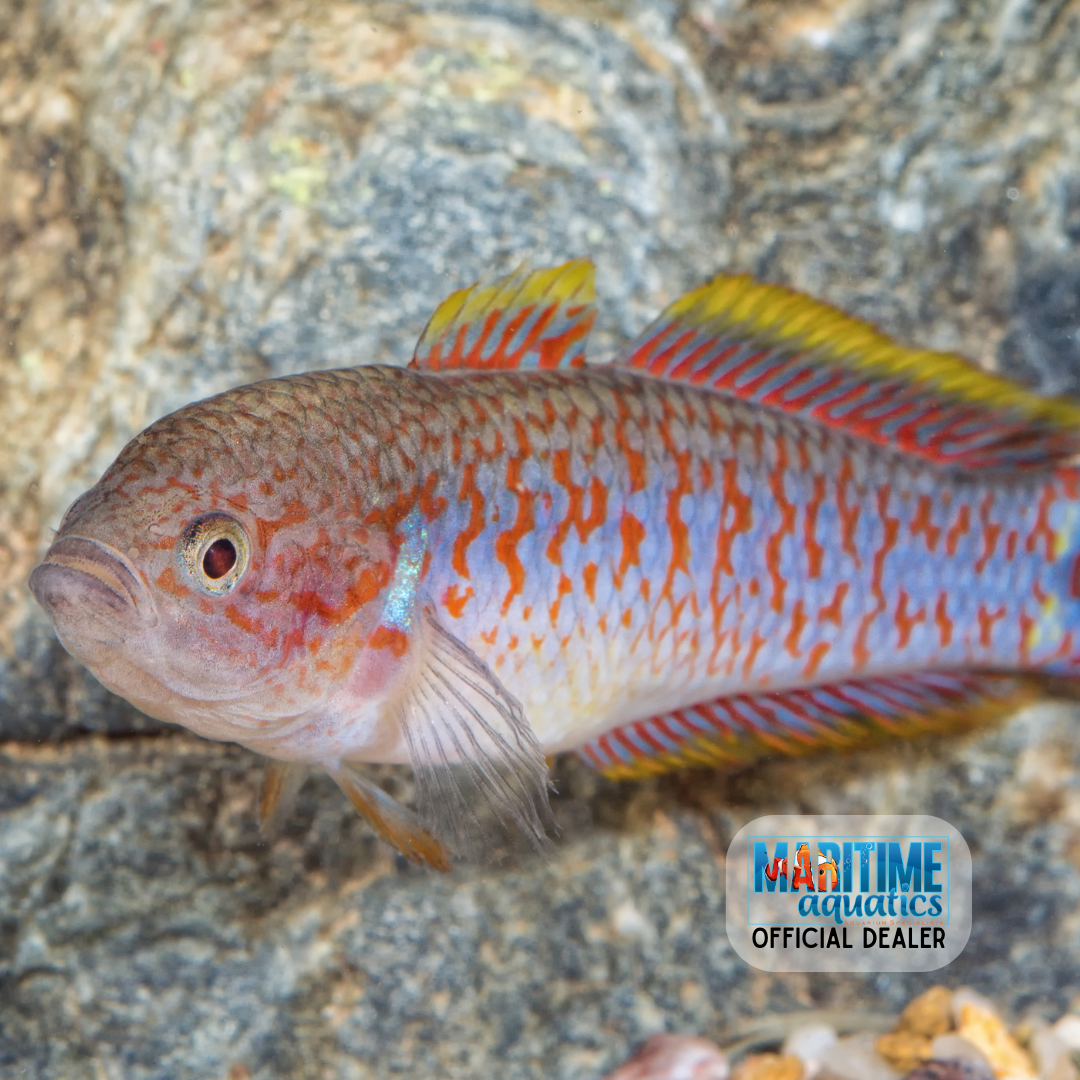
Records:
x=194, y=195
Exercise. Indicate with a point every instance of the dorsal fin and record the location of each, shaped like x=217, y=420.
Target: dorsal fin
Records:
x=532, y=318
x=767, y=344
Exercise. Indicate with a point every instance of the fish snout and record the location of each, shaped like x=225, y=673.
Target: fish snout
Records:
x=82, y=580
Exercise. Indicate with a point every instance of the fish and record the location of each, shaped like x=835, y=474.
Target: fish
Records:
x=763, y=528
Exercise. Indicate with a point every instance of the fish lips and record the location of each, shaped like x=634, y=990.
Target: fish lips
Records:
x=91, y=594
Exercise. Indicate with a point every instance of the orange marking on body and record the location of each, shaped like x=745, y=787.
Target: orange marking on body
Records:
x=788, y=513
x=1011, y=540
x=942, y=621
x=804, y=454
x=251, y=626
x=294, y=512
x=167, y=582
x=171, y=482
x=991, y=531
x=564, y=587
x=860, y=654
x=454, y=603
x=813, y=660
x=635, y=459
x=431, y=506
x=798, y=624
x=471, y=493
x=627, y=617
x=489, y=636
x=923, y=523
x=833, y=612
x=677, y=610
x=596, y=429
x=757, y=643
x=597, y=510
x=815, y=553
x=1027, y=625
x=602, y=624
x=987, y=618
x=524, y=445
x=753, y=587
x=849, y=512
x=960, y=527
x=740, y=508
x=588, y=575
x=506, y=542
x=560, y=467
x=1042, y=528
x=1065, y=648
x=369, y=583
x=677, y=530
x=719, y=636
x=512, y=643
x=389, y=637
x=905, y=623
x=632, y=533
x=891, y=528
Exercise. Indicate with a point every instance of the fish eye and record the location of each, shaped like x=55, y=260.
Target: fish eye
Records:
x=213, y=553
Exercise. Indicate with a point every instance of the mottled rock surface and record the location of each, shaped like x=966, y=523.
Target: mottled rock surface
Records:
x=193, y=195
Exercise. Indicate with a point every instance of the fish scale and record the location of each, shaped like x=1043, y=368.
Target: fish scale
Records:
x=738, y=584
x=765, y=528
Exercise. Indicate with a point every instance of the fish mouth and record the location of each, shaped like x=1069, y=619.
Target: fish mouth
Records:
x=86, y=574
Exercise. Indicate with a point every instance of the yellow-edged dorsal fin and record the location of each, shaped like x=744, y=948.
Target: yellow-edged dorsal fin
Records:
x=532, y=318
x=778, y=348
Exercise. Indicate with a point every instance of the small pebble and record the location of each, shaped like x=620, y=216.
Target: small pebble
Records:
x=981, y=1026
x=1048, y=1050
x=903, y=1050
x=957, y=1048
x=811, y=1044
x=930, y=1014
x=966, y=996
x=1067, y=1029
x=951, y=1070
x=675, y=1057
x=856, y=1059
x=769, y=1067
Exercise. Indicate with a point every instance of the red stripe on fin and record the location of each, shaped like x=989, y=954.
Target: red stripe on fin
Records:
x=769, y=345
x=737, y=730
x=532, y=318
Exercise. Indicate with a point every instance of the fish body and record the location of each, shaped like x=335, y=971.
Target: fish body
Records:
x=495, y=555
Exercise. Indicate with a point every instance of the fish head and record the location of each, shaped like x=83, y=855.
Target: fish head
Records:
x=221, y=583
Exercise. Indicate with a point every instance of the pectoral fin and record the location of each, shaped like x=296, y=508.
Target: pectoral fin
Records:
x=282, y=782
x=482, y=777
x=395, y=824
